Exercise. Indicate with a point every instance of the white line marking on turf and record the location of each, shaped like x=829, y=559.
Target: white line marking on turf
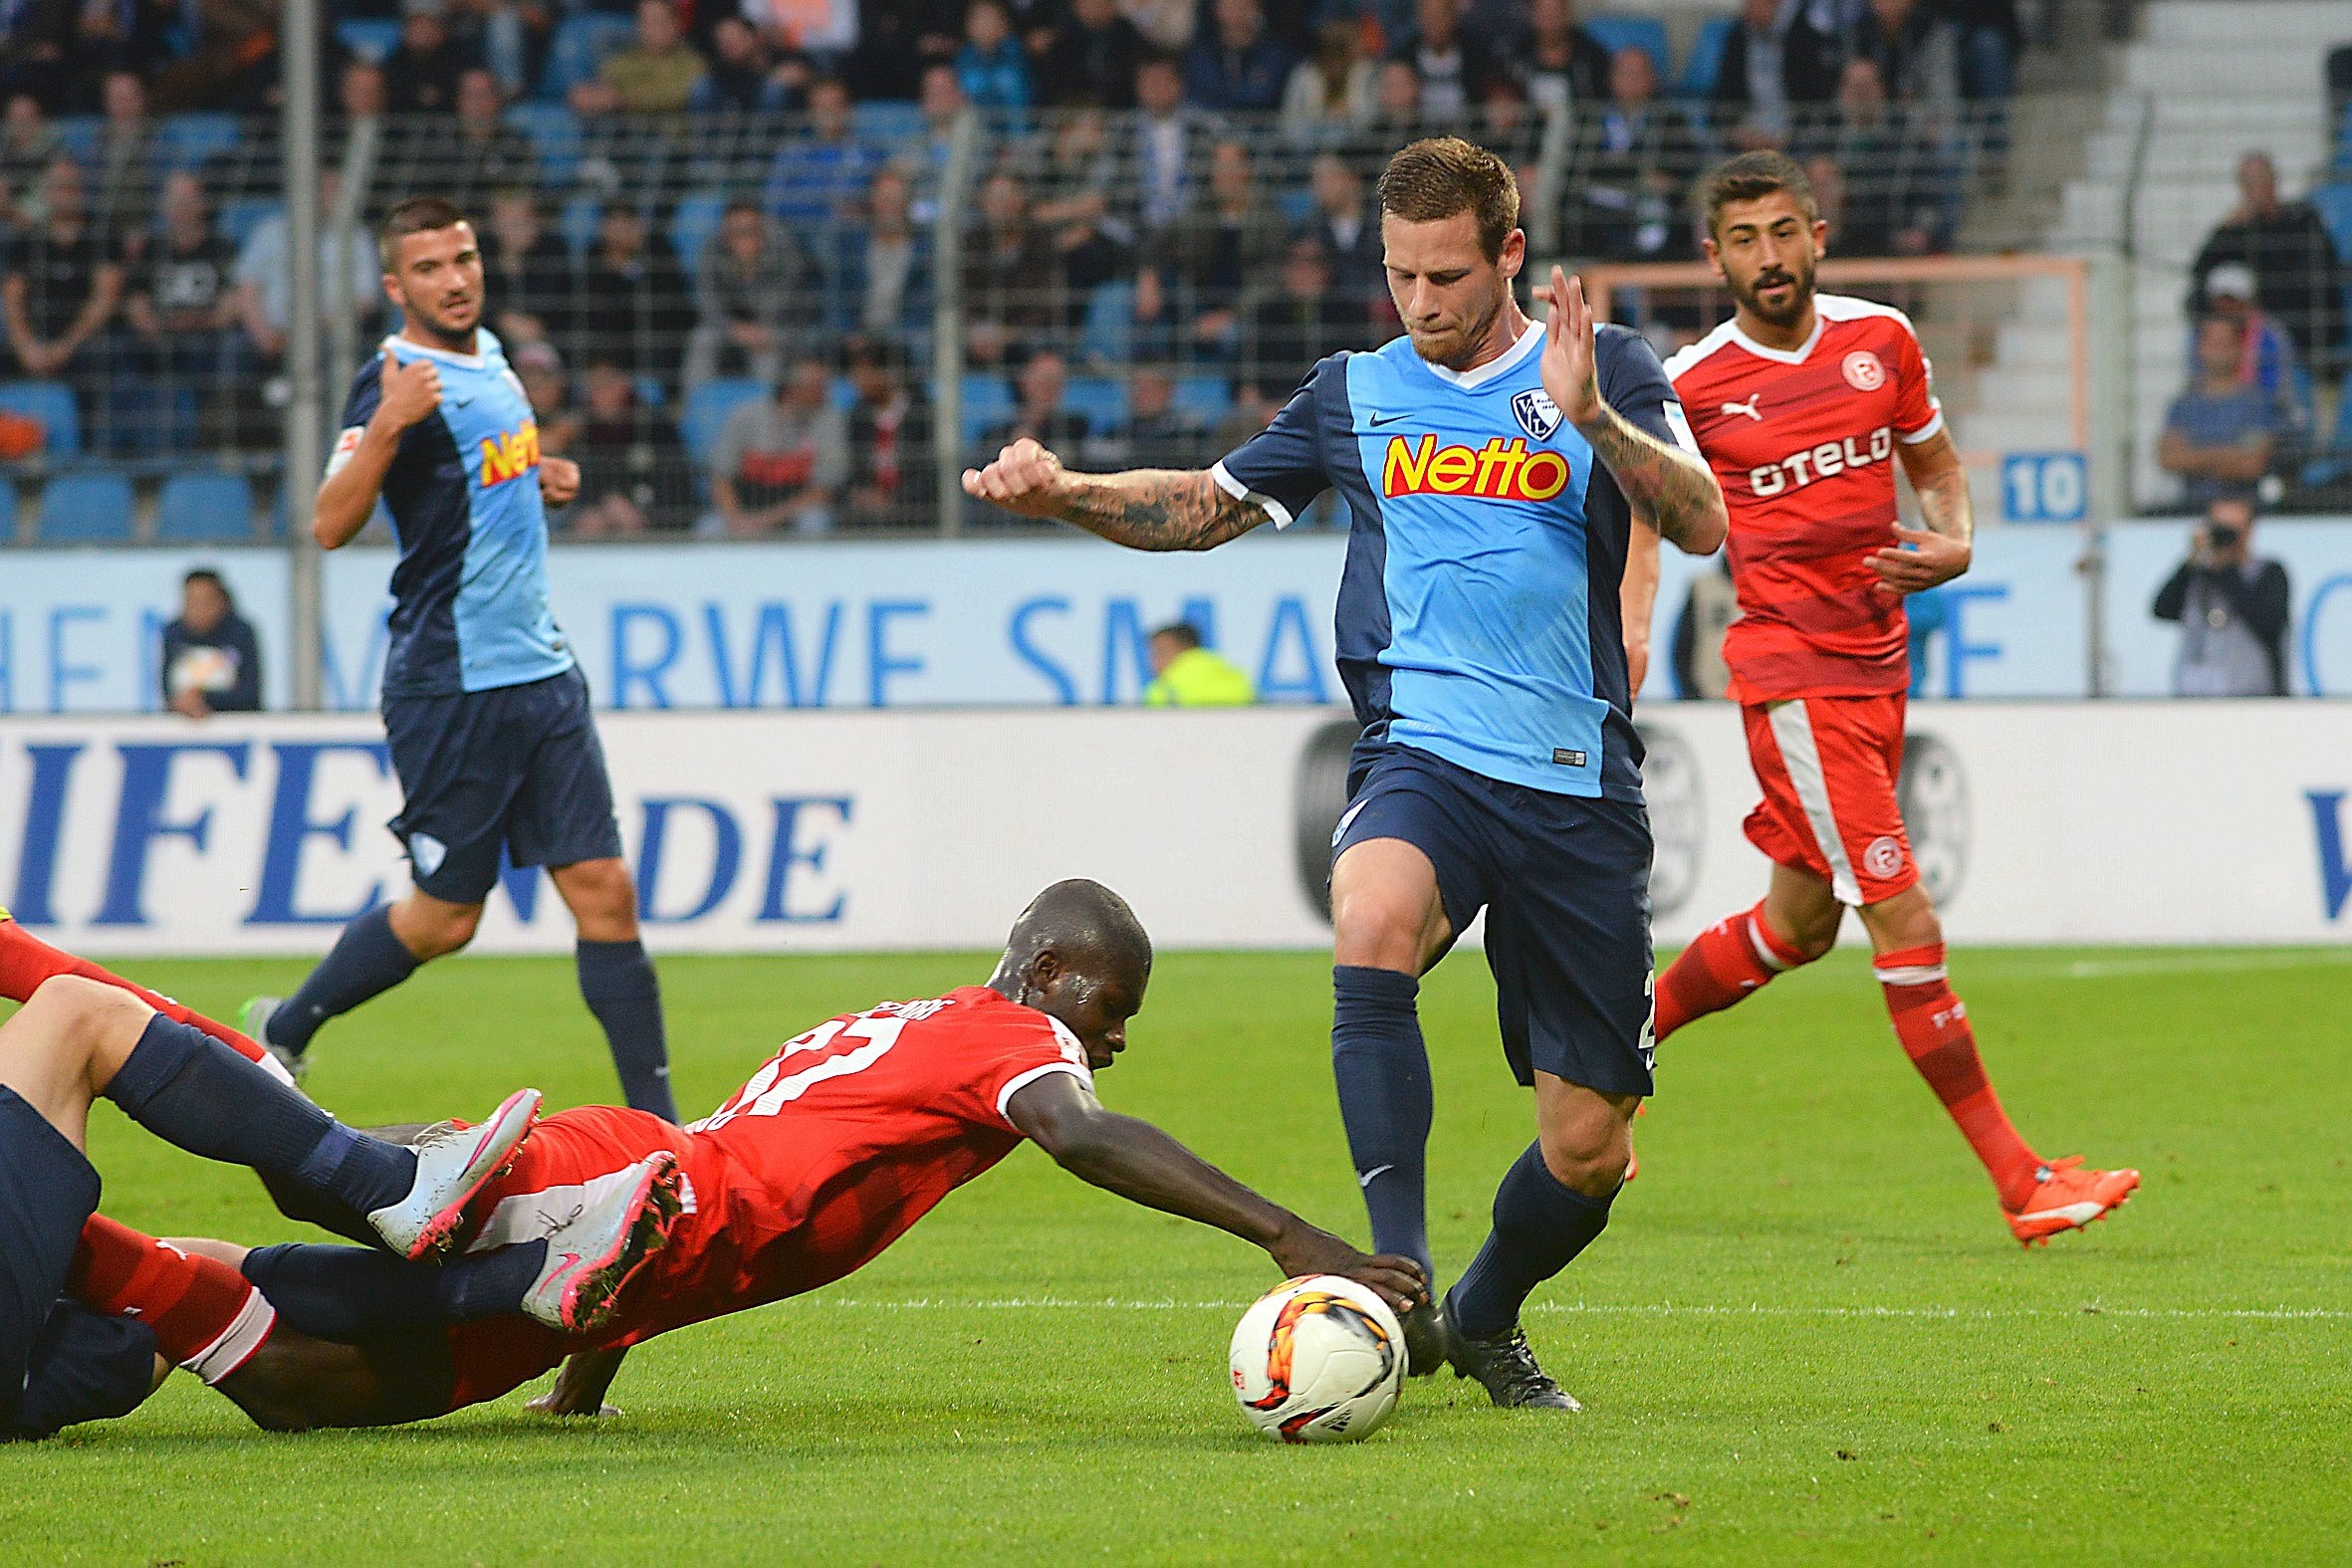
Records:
x=1619, y=1309
x=2204, y=963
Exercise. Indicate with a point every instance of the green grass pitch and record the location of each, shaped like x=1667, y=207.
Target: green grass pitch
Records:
x=1807, y=1335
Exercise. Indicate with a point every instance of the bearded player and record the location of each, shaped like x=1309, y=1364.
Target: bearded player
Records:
x=1491, y=467
x=1803, y=403
x=844, y=1139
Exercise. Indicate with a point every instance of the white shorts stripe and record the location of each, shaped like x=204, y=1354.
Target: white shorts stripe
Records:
x=1793, y=727
x=237, y=1342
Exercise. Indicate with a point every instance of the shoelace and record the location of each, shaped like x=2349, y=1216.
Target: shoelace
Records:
x=1516, y=1365
x=437, y=1135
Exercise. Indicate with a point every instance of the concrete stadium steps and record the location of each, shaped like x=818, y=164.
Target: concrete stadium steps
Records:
x=2210, y=81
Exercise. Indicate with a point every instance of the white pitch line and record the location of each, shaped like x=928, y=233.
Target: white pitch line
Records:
x=2200, y=963
x=1625, y=1309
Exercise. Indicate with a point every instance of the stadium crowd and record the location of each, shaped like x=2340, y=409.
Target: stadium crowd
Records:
x=712, y=232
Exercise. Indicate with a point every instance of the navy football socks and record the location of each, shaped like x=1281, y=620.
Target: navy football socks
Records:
x=191, y=1090
x=351, y=1293
x=368, y=960
x=1540, y=1228
x=1382, y=1069
x=618, y=983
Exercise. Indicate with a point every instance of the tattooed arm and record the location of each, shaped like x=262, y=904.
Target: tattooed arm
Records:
x=1143, y=509
x=1935, y=555
x=1669, y=486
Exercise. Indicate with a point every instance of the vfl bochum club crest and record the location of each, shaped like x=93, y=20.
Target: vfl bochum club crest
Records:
x=1538, y=414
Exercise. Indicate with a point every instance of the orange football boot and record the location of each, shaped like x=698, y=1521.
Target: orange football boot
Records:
x=2067, y=1197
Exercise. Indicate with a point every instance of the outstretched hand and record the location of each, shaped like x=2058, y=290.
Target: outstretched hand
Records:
x=1931, y=560
x=1567, y=364
x=1398, y=1280
x=1024, y=479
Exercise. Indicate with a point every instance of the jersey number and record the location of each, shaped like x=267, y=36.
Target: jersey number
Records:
x=842, y=1046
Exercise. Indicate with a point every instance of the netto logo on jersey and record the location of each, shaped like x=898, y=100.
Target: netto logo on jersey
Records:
x=1498, y=471
x=510, y=456
x=1825, y=461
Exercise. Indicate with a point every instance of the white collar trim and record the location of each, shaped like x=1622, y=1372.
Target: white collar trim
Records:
x=405, y=346
x=1510, y=358
x=1797, y=355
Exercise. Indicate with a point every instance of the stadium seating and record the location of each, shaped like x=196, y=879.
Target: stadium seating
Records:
x=886, y=120
x=1101, y=400
x=201, y=506
x=1207, y=398
x=707, y=408
x=94, y=508
x=7, y=512
x=1634, y=32
x=239, y=216
x=187, y=142
x=988, y=401
x=692, y=224
x=2334, y=206
x=79, y=134
x=369, y=37
x=52, y=404
x=554, y=130
x=1700, y=68
x=579, y=46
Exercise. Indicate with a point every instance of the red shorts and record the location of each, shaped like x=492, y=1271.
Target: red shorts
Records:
x=565, y=1152
x=1828, y=767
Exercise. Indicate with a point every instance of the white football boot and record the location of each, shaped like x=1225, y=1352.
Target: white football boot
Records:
x=595, y=1249
x=453, y=1164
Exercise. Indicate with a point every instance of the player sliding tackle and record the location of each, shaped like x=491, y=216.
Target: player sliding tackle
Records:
x=848, y=1136
x=1492, y=469
x=1804, y=402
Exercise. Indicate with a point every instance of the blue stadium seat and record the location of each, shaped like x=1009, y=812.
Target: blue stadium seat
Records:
x=51, y=402
x=2334, y=204
x=1102, y=399
x=241, y=215
x=1635, y=32
x=988, y=401
x=1207, y=398
x=88, y=509
x=204, y=506
x=371, y=37
x=579, y=221
x=886, y=120
x=1109, y=329
x=7, y=512
x=692, y=224
x=579, y=46
x=554, y=130
x=1706, y=59
x=841, y=392
x=1297, y=205
x=79, y=136
x=707, y=408
x=184, y=141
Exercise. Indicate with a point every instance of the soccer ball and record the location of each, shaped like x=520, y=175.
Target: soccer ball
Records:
x=1319, y=1359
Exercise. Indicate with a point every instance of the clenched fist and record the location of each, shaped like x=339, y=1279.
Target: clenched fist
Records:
x=1024, y=478
x=411, y=391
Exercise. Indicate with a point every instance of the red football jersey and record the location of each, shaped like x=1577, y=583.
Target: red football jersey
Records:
x=849, y=1135
x=1803, y=442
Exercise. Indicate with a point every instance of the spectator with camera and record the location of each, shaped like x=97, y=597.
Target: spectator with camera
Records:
x=2232, y=608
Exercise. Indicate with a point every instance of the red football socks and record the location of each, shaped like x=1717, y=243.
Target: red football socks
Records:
x=26, y=960
x=205, y=1315
x=1933, y=1025
x=1730, y=960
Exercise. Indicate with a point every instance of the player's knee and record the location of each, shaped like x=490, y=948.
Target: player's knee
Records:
x=1816, y=935
x=441, y=929
x=603, y=898
x=1376, y=928
x=82, y=1008
x=1586, y=1155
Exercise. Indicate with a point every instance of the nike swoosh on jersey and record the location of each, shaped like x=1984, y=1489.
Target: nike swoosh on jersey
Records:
x=1379, y=419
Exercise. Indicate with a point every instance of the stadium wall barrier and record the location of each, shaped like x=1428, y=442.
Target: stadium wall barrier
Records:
x=2210, y=822
x=1049, y=621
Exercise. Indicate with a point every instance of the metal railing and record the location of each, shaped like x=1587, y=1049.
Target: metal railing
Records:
x=1140, y=293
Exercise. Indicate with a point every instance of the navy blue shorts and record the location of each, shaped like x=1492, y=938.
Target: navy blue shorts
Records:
x=517, y=769
x=59, y=1363
x=1566, y=885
